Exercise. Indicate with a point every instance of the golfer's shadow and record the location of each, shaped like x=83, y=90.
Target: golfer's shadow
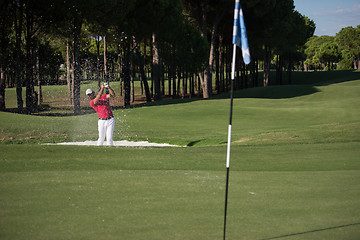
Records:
x=312, y=231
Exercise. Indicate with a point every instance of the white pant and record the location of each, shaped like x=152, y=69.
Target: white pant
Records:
x=106, y=128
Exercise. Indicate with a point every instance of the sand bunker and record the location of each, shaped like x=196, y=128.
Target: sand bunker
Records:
x=123, y=143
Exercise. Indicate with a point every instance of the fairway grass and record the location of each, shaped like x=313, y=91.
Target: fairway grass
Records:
x=295, y=169
x=179, y=204
x=308, y=191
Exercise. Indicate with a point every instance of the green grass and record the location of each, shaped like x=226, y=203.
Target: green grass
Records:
x=58, y=192
x=284, y=114
x=295, y=169
x=151, y=204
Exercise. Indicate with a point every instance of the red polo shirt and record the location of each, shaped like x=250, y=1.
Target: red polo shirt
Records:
x=102, y=107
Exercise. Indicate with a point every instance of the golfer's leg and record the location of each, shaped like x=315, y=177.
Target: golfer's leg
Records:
x=110, y=132
x=101, y=128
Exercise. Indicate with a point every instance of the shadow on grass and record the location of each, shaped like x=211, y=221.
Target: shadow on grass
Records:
x=271, y=92
x=304, y=84
x=46, y=110
x=191, y=144
x=325, y=78
x=277, y=92
x=312, y=231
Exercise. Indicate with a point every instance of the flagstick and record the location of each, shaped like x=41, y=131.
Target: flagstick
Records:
x=229, y=135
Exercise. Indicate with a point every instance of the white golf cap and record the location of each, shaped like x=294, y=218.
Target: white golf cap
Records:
x=89, y=91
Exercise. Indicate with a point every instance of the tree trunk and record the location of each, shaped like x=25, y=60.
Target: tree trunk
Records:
x=256, y=77
x=120, y=71
x=3, y=53
x=19, y=83
x=240, y=78
x=244, y=81
x=279, y=67
x=169, y=78
x=173, y=73
x=290, y=68
x=162, y=80
x=132, y=76
x=106, y=73
x=209, y=69
x=98, y=60
x=203, y=30
x=178, y=82
x=204, y=85
x=217, y=66
x=30, y=92
x=252, y=73
x=267, y=61
x=126, y=73
x=38, y=76
x=151, y=69
x=357, y=63
x=156, y=69
x=77, y=66
x=142, y=72
x=68, y=80
x=221, y=66
x=72, y=79
x=183, y=86
x=2, y=89
x=207, y=78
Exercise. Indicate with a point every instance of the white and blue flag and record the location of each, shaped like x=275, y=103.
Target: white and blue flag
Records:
x=239, y=32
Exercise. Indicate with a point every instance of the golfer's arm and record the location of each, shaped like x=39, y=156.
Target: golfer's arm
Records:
x=112, y=93
x=98, y=96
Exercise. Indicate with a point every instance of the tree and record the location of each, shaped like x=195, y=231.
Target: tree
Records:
x=192, y=37
x=5, y=22
x=328, y=54
x=186, y=43
x=29, y=79
x=57, y=25
x=283, y=25
x=142, y=70
x=269, y=25
x=33, y=14
x=18, y=27
x=156, y=68
x=302, y=28
x=348, y=40
x=157, y=19
x=312, y=47
x=207, y=15
x=71, y=15
x=347, y=61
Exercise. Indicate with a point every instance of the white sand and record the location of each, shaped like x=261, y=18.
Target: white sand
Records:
x=123, y=143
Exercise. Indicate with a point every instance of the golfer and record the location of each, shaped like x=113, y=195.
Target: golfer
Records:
x=106, y=121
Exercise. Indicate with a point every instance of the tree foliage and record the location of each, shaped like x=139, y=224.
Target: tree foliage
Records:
x=348, y=40
x=188, y=40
